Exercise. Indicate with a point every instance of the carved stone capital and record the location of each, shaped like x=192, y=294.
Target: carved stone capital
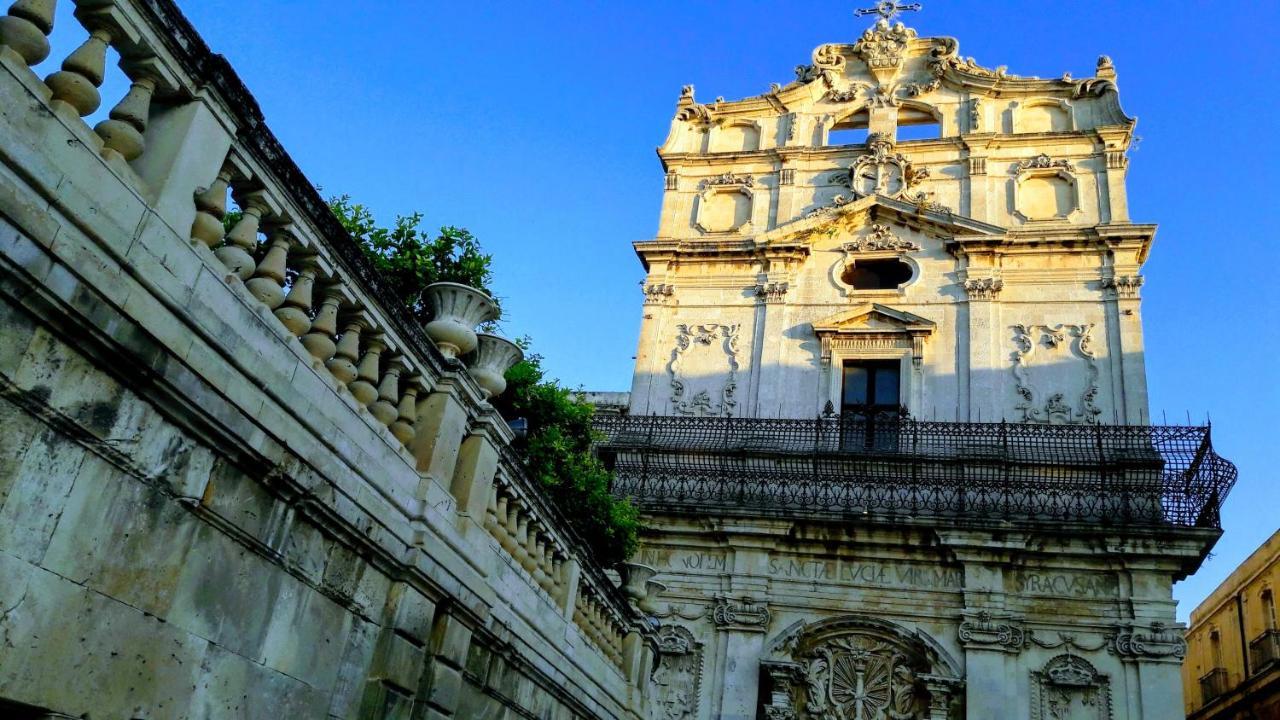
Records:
x=1158, y=642
x=1123, y=286
x=773, y=292
x=742, y=614
x=658, y=293
x=983, y=288
x=983, y=630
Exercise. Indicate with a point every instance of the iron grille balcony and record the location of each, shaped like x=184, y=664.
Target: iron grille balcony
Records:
x=1112, y=474
x=1213, y=685
x=1264, y=650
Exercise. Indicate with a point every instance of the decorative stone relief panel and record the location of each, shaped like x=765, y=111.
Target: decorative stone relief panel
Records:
x=1050, y=356
x=881, y=171
x=1069, y=688
x=1045, y=189
x=724, y=204
x=677, y=680
x=704, y=370
x=861, y=669
x=741, y=614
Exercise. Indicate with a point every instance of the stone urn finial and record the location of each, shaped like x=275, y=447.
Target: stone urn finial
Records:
x=635, y=577
x=491, y=360
x=652, y=589
x=457, y=309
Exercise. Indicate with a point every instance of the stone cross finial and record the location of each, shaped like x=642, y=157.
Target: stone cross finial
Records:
x=887, y=9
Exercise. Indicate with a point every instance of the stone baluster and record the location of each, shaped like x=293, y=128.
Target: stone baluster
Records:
x=510, y=537
x=404, y=427
x=211, y=207
x=497, y=509
x=343, y=363
x=324, y=328
x=522, y=541
x=25, y=29
x=236, y=251
x=384, y=408
x=122, y=133
x=295, y=313
x=267, y=283
x=540, y=573
x=363, y=388
x=531, y=564
x=76, y=85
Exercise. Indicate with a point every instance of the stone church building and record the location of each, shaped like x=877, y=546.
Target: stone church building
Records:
x=888, y=428
x=888, y=425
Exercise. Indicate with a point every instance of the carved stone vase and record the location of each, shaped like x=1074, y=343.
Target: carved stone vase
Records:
x=489, y=364
x=652, y=589
x=457, y=309
x=635, y=577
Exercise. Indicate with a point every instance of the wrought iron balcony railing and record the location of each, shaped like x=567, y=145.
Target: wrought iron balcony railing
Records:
x=1264, y=650
x=1111, y=474
x=1213, y=685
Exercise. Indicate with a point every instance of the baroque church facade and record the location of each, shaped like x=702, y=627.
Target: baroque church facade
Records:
x=888, y=425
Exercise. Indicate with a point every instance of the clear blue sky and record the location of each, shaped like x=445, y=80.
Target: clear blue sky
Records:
x=534, y=125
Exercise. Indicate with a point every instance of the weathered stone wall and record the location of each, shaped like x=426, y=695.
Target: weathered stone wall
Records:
x=201, y=516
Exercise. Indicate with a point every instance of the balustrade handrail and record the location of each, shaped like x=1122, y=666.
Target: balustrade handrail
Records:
x=1160, y=475
x=377, y=382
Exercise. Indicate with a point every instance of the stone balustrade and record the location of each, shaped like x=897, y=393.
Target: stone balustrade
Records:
x=185, y=142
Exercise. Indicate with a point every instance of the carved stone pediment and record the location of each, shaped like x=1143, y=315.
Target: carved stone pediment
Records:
x=876, y=324
x=847, y=214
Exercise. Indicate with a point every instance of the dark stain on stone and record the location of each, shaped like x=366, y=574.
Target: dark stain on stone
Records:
x=98, y=416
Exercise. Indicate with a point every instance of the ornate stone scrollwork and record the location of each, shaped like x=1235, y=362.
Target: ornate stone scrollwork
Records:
x=1030, y=340
x=1161, y=643
x=879, y=237
x=677, y=680
x=983, y=630
x=700, y=389
x=741, y=614
x=1043, y=162
x=728, y=178
x=1069, y=688
x=881, y=171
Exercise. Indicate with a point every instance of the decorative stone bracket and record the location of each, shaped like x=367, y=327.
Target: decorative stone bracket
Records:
x=743, y=614
x=982, y=630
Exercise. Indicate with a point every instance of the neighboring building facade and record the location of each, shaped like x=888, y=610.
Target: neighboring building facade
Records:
x=1232, y=670
x=1008, y=551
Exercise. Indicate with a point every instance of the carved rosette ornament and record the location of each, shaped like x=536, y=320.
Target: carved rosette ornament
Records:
x=677, y=679
x=982, y=630
x=881, y=171
x=1031, y=341
x=742, y=614
x=1161, y=642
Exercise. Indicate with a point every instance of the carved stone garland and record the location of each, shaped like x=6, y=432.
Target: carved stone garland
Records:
x=677, y=679
x=1055, y=409
x=702, y=402
x=1069, y=688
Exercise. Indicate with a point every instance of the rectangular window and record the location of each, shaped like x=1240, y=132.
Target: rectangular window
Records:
x=870, y=385
x=870, y=396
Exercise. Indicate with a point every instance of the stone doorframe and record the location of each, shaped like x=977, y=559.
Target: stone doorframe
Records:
x=856, y=666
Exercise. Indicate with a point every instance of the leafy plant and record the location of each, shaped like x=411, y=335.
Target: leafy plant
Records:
x=408, y=259
x=557, y=451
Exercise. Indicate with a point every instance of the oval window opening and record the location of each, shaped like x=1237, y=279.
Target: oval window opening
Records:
x=884, y=274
